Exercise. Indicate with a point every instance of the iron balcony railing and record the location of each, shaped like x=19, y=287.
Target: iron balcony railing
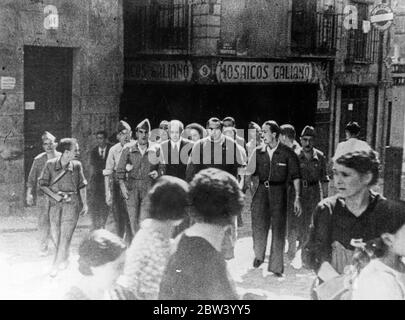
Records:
x=162, y=28
x=362, y=47
x=314, y=33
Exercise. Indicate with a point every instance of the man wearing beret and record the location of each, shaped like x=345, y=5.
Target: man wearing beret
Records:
x=275, y=165
x=314, y=186
x=49, y=145
x=113, y=195
x=136, y=171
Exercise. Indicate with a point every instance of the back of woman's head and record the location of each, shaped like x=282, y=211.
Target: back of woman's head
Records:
x=98, y=248
x=215, y=196
x=168, y=199
x=363, y=162
x=370, y=250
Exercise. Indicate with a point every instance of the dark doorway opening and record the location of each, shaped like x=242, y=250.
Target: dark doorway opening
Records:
x=293, y=103
x=354, y=107
x=47, y=97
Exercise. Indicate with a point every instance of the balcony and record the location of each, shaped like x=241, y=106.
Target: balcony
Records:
x=362, y=47
x=160, y=28
x=314, y=33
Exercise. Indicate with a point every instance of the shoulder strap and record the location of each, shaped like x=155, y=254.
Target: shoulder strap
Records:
x=58, y=177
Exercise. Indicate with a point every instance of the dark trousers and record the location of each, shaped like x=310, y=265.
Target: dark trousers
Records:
x=269, y=209
x=120, y=213
x=63, y=218
x=311, y=196
x=137, y=202
x=44, y=225
x=98, y=209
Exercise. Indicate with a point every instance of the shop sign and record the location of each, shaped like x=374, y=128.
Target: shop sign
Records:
x=323, y=105
x=382, y=17
x=227, y=48
x=239, y=71
x=167, y=71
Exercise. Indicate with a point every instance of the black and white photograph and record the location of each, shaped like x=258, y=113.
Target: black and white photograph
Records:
x=202, y=150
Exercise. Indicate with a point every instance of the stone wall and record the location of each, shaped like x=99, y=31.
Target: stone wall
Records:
x=94, y=29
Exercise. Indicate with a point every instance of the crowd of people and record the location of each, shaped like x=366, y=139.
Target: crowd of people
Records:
x=175, y=196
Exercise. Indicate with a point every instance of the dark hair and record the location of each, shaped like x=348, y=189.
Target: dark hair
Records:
x=66, y=144
x=353, y=128
x=199, y=128
x=98, y=248
x=363, y=162
x=274, y=127
x=215, y=120
x=215, y=196
x=229, y=119
x=103, y=133
x=288, y=130
x=168, y=199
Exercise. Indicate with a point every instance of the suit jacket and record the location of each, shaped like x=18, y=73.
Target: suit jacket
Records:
x=98, y=165
x=175, y=164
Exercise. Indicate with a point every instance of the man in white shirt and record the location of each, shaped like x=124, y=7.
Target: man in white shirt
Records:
x=352, y=142
x=113, y=195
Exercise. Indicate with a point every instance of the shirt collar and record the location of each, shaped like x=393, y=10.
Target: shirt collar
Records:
x=214, y=234
x=273, y=149
x=173, y=144
x=58, y=165
x=221, y=140
x=314, y=154
x=136, y=147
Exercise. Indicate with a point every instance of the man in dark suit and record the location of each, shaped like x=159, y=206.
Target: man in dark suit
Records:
x=97, y=206
x=175, y=151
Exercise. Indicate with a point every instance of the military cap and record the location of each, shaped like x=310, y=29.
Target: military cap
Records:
x=48, y=136
x=123, y=126
x=145, y=124
x=308, y=131
x=229, y=119
x=164, y=125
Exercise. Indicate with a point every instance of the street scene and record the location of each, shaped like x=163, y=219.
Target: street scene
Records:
x=202, y=150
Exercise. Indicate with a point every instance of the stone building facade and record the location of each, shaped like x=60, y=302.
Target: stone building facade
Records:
x=250, y=59
x=62, y=71
x=316, y=62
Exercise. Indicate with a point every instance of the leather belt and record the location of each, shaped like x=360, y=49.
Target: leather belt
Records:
x=306, y=183
x=267, y=183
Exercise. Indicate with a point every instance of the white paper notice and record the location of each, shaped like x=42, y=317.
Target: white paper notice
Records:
x=30, y=105
x=7, y=83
